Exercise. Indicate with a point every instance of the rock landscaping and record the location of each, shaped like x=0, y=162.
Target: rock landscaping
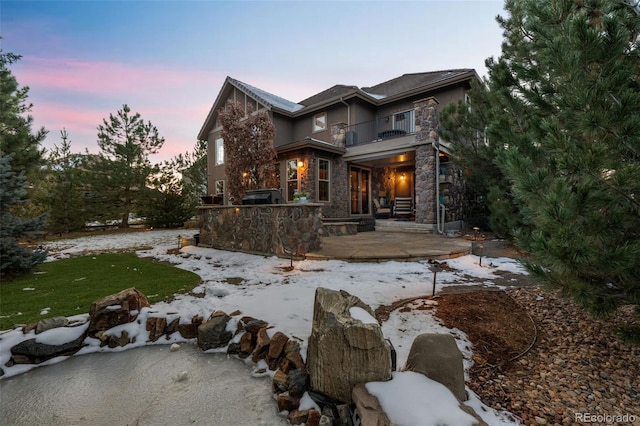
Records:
x=577, y=372
x=346, y=350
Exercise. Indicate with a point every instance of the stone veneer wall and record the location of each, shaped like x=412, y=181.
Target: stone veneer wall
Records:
x=454, y=189
x=274, y=229
x=425, y=184
x=339, y=195
x=383, y=179
x=339, y=192
x=427, y=122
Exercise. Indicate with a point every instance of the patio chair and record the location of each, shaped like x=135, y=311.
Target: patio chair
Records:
x=381, y=211
x=403, y=207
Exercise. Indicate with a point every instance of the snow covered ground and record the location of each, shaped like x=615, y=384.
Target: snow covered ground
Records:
x=263, y=288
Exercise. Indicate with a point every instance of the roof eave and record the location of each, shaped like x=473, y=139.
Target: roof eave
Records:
x=336, y=99
x=469, y=75
x=311, y=143
x=209, y=122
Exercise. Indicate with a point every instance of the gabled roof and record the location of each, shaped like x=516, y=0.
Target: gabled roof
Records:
x=336, y=91
x=410, y=82
x=391, y=90
x=265, y=97
x=268, y=99
x=388, y=91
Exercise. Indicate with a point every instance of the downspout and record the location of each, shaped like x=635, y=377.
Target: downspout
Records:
x=439, y=206
x=348, y=111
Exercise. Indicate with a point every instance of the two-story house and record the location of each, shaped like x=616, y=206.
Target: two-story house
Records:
x=357, y=150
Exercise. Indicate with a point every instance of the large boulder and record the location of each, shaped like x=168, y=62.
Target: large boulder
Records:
x=346, y=346
x=437, y=356
x=117, y=309
x=213, y=333
x=50, y=344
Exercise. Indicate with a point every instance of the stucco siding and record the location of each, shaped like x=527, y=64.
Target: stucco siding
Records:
x=284, y=130
x=303, y=126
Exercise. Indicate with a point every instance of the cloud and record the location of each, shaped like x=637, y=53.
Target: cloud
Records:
x=106, y=79
x=77, y=95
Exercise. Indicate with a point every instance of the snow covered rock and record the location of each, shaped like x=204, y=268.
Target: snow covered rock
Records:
x=156, y=327
x=213, y=333
x=368, y=406
x=49, y=323
x=345, y=350
x=117, y=309
x=276, y=349
x=190, y=331
x=50, y=344
x=437, y=356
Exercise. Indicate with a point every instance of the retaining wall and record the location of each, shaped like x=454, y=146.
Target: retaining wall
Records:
x=273, y=229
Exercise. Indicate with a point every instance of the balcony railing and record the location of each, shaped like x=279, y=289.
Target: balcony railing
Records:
x=391, y=126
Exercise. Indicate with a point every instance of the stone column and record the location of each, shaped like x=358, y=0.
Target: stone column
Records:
x=427, y=122
x=339, y=206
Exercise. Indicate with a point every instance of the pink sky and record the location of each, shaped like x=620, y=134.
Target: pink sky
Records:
x=167, y=60
x=168, y=97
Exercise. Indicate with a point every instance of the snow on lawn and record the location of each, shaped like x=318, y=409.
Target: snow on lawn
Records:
x=262, y=287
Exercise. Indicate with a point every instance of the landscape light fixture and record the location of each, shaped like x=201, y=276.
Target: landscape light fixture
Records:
x=435, y=268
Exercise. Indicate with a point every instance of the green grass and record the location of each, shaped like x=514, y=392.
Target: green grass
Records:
x=69, y=286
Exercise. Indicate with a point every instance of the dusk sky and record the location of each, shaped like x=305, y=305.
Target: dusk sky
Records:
x=168, y=59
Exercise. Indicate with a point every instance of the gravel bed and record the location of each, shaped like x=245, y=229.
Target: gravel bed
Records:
x=579, y=372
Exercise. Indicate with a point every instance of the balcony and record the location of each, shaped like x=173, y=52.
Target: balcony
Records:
x=391, y=126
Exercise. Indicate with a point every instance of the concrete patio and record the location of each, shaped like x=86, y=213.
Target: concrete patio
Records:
x=404, y=243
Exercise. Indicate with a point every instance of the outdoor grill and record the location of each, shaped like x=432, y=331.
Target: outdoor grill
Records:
x=263, y=196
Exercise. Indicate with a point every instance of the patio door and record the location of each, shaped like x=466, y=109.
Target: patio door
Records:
x=359, y=186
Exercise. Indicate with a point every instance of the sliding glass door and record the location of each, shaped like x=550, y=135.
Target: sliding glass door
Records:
x=359, y=182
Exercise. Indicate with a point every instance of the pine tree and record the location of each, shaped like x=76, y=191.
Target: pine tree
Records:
x=16, y=135
x=15, y=258
x=66, y=197
x=176, y=189
x=249, y=152
x=125, y=142
x=465, y=126
x=564, y=121
x=193, y=168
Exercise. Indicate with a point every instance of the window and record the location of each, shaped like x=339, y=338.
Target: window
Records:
x=219, y=151
x=320, y=122
x=323, y=179
x=292, y=178
x=405, y=121
x=219, y=187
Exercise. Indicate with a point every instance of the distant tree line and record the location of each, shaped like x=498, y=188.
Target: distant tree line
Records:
x=61, y=191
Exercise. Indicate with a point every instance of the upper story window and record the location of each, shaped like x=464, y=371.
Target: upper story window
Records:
x=323, y=179
x=405, y=121
x=320, y=122
x=219, y=151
